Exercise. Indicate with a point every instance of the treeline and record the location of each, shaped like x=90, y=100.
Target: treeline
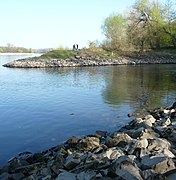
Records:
x=148, y=24
x=13, y=49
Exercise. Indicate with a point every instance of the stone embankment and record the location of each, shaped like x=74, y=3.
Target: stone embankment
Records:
x=143, y=149
x=39, y=62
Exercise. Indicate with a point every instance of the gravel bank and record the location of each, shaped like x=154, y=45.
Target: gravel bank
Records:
x=39, y=62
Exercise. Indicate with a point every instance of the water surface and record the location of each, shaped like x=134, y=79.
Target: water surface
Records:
x=41, y=108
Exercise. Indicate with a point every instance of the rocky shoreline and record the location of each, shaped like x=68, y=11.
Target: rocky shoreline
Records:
x=40, y=62
x=143, y=149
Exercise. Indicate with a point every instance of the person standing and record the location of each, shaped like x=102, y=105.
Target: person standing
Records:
x=74, y=47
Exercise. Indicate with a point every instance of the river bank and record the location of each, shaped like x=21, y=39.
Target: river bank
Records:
x=143, y=149
x=81, y=58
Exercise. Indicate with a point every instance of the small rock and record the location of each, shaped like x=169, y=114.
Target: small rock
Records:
x=111, y=153
x=158, y=143
x=149, y=174
x=71, y=161
x=150, y=118
x=4, y=176
x=143, y=143
x=88, y=143
x=159, y=164
x=16, y=163
x=118, y=138
x=170, y=175
x=165, y=122
x=125, y=170
x=100, y=134
x=66, y=176
x=86, y=175
x=72, y=142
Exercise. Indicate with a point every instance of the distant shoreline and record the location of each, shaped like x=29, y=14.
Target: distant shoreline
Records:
x=19, y=53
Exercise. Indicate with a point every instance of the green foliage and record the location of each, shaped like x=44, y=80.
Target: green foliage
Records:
x=60, y=54
x=93, y=44
x=114, y=28
x=148, y=25
x=99, y=53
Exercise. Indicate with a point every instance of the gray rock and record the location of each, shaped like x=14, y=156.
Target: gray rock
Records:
x=100, y=149
x=150, y=119
x=31, y=177
x=129, y=158
x=72, y=161
x=148, y=134
x=45, y=171
x=16, y=163
x=158, y=144
x=110, y=142
x=66, y=176
x=48, y=177
x=86, y=175
x=164, y=166
x=17, y=176
x=165, y=122
x=73, y=141
x=147, y=122
x=88, y=143
x=135, y=133
x=122, y=137
x=170, y=175
x=143, y=143
x=125, y=170
x=118, y=138
x=100, y=134
x=55, y=167
x=172, y=136
x=111, y=153
x=4, y=176
x=150, y=174
x=159, y=164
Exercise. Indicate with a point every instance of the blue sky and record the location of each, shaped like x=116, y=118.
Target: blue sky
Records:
x=55, y=23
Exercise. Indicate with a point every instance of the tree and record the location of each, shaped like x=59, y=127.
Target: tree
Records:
x=146, y=24
x=170, y=22
x=115, y=28
x=1, y=50
x=94, y=45
x=149, y=24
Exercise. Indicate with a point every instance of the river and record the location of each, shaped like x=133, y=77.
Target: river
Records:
x=41, y=108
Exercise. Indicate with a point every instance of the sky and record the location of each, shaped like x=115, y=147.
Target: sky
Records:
x=55, y=23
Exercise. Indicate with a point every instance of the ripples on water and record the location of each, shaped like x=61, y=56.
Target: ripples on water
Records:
x=40, y=108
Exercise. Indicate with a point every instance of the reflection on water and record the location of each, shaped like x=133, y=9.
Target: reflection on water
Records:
x=41, y=108
x=143, y=87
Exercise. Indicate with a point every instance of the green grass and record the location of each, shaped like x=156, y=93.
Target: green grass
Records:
x=67, y=54
x=99, y=53
x=60, y=54
x=103, y=54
